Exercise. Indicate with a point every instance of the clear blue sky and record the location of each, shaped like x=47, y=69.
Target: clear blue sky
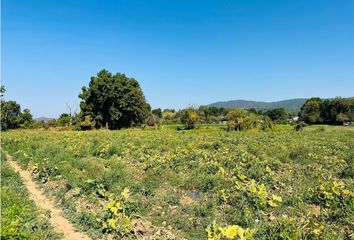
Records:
x=181, y=51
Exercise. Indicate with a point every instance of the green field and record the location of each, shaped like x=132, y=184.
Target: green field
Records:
x=20, y=219
x=279, y=184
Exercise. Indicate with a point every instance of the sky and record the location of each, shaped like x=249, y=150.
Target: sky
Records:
x=182, y=52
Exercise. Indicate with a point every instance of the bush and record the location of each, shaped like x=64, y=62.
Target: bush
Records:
x=189, y=118
x=87, y=124
x=241, y=119
x=152, y=121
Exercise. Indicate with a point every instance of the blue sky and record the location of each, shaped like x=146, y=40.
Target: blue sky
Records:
x=182, y=52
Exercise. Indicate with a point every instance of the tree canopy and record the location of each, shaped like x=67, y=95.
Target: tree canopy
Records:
x=328, y=111
x=11, y=116
x=114, y=101
x=278, y=115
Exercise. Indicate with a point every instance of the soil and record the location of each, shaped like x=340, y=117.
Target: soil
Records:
x=60, y=223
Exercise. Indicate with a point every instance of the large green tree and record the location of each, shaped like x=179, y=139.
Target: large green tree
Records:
x=26, y=118
x=10, y=115
x=311, y=110
x=278, y=115
x=329, y=111
x=114, y=101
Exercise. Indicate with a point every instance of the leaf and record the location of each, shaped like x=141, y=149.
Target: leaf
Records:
x=277, y=198
x=126, y=193
x=230, y=231
x=112, y=222
x=109, y=205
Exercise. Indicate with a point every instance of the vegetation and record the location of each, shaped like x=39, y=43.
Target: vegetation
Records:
x=206, y=182
x=114, y=101
x=11, y=116
x=19, y=217
x=189, y=118
x=241, y=119
x=260, y=179
x=277, y=115
x=334, y=111
x=291, y=105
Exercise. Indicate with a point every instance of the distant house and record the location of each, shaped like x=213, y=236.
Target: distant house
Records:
x=347, y=123
x=294, y=119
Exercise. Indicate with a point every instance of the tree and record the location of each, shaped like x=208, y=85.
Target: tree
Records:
x=189, y=118
x=64, y=119
x=341, y=117
x=329, y=111
x=278, y=115
x=114, y=101
x=153, y=120
x=311, y=111
x=241, y=119
x=10, y=115
x=157, y=112
x=26, y=118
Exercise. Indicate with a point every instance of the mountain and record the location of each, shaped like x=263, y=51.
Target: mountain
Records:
x=44, y=119
x=292, y=105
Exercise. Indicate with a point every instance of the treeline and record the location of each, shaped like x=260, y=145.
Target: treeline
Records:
x=328, y=111
x=11, y=115
x=115, y=101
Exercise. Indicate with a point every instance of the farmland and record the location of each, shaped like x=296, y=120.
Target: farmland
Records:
x=277, y=184
x=20, y=219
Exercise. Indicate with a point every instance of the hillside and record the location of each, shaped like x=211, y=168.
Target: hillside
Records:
x=289, y=105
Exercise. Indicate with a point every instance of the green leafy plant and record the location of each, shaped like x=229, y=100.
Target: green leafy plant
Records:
x=119, y=212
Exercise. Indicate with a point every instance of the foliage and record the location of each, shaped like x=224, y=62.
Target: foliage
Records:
x=189, y=118
x=19, y=217
x=114, y=101
x=299, y=125
x=311, y=111
x=334, y=111
x=118, y=216
x=64, y=120
x=280, y=183
x=157, y=112
x=241, y=119
x=152, y=120
x=11, y=116
x=216, y=232
x=87, y=124
x=26, y=118
x=278, y=115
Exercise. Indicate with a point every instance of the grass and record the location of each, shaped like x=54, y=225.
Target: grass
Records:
x=282, y=184
x=19, y=217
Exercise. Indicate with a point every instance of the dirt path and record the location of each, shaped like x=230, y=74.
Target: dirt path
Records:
x=57, y=220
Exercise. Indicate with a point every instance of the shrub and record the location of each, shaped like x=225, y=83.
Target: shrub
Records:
x=189, y=118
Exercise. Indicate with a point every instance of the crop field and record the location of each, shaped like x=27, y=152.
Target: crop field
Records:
x=194, y=184
x=20, y=219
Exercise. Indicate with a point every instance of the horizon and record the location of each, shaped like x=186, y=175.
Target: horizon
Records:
x=181, y=52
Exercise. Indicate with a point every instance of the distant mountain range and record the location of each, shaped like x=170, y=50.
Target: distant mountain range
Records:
x=292, y=105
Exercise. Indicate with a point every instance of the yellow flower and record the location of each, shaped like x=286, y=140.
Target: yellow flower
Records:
x=230, y=231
